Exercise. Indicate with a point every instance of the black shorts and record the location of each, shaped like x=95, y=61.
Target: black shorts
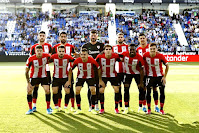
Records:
x=37, y=81
x=128, y=78
x=120, y=77
x=113, y=80
x=90, y=82
x=59, y=82
x=154, y=82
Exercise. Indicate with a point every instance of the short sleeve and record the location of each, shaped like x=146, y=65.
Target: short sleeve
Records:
x=141, y=60
x=50, y=49
x=28, y=63
x=54, y=50
x=164, y=60
x=97, y=58
x=71, y=59
x=32, y=50
x=75, y=63
x=73, y=49
x=95, y=63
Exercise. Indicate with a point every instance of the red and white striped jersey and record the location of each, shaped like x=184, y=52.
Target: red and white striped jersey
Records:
x=108, y=65
x=69, y=49
x=38, y=66
x=47, y=48
x=141, y=50
x=119, y=49
x=132, y=64
x=85, y=69
x=153, y=65
x=61, y=65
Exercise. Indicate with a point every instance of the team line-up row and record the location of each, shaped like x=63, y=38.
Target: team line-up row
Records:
x=96, y=73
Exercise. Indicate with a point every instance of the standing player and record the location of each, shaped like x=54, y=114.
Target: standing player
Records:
x=38, y=75
x=134, y=68
x=119, y=49
x=70, y=50
x=153, y=65
x=60, y=76
x=94, y=48
x=107, y=62
x=47, y=48
x=144, y=47
x=86, y=74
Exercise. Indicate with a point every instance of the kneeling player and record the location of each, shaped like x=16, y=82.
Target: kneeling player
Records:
x=134, y=65
x=38, y=75
x=61, y=62
x=86, y=66
x=107, y=62
x=153, y=65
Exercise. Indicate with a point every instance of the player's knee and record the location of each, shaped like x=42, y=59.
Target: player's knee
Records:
x=116, y=89
x=154, y=88
x=101, y=90
x=126, y=85
x=47, y=91
x=93, y=90
x=67, y=91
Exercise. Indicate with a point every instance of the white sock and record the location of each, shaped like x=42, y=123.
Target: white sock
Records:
x=56, y=107
x=144, y=106
x=34, y=104
x=156, y=105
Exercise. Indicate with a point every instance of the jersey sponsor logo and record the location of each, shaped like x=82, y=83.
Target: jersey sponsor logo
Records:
x=94, y=52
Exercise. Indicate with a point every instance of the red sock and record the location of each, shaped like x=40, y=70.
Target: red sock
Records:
x=30, y=105
x=156, y=102
x=144, y=102
x=72, y=102
x=56, y=104
x=120, y=101
x=149, y=106
x=66, y=105
x=161, y=106
x=34, y=100
x=140, y=101
x=59, y=102
x=48, y=104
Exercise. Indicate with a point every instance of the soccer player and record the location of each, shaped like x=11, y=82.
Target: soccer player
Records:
x=60, y=76
x=153, y=65
x=47, y=48
x=70, y=50
x=38, y=75
x=86, y=74
x=144, y=47
x=134, y=68
x=119, y=49
x=107, y=62
x=94, y=48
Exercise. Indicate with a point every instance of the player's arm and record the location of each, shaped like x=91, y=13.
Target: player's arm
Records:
x=28, y=65
x=165, y=62
x=99, y=72
x=27, y=75
x=68, y=83
x=141, y=67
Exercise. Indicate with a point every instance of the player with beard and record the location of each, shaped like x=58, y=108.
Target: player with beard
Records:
x=141, y=50
x=94, y=48
x=119, y=49
x=70, y=50
x=47, y=48
x=60, y=76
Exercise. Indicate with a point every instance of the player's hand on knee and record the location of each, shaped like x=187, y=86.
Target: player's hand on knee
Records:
x=163, y=80
x=101, y=84
x=67, y=84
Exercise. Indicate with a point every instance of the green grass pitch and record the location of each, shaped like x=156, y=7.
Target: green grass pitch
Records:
x=181, y=106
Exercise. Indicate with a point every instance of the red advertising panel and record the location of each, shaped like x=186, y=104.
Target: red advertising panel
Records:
x=182, y=58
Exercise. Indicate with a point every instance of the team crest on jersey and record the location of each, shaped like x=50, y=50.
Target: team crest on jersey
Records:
x=98, y=47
